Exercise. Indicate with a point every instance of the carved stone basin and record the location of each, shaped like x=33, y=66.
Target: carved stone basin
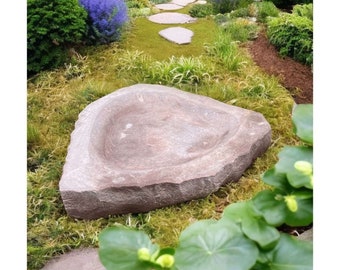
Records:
x=148, y=146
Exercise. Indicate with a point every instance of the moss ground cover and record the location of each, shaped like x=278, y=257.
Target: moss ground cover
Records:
x=55, y=99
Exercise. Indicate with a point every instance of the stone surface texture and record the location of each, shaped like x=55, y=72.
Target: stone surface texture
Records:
x=168, y=6
x=148, y=146
x=182, y=2
x=82, y=259
x=177, y=35
x=171, y=18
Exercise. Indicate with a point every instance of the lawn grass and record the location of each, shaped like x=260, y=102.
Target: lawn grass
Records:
x=55, y=99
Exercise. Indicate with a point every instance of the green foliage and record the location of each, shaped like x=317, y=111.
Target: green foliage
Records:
x=226, y=50
x=266, y=9
x=52, y=27
x=245, y=237
x=293, y=36
x=304, y=11
x=241, y=29
x=288, y=3
x=225, y=6
x=174, y=71
x=201, y=11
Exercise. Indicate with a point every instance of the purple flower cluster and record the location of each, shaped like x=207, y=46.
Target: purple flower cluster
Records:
x=106, y=18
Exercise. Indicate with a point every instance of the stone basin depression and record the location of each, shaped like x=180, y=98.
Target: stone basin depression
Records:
x=148, y=146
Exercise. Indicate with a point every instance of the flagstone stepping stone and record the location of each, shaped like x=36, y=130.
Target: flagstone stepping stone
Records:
x=149, y=146
x=177, y=35
x=171, y=18
x=182, y=2
x=168, y=6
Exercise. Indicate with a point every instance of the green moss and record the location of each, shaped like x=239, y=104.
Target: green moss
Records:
x=144, y=37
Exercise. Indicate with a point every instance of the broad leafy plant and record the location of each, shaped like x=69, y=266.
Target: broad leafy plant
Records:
x=245, y=237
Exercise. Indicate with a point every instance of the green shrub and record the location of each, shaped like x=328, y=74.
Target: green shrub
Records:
x=293, y=36
x=288, y=3
x=304, y=11
x=52, y=27
x=225, y=6
x=265, y=9
x=240, y=12
x=201, y=11
x=241, y=29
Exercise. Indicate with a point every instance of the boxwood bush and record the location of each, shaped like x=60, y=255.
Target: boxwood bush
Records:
x=293, y=36
x=52, y=26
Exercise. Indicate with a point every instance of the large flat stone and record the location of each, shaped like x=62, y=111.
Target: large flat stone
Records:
x=182, y=2
x=171, y=18
x=168, y=6
x=177, y=35
x=148, y=146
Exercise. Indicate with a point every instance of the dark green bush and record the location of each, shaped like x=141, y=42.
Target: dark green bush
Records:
x=288, y=3
x=52, y=27
x=293, y=36
x=201, y=11
x=225, y=6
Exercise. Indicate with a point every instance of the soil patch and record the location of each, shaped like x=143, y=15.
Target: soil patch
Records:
x=294, y=76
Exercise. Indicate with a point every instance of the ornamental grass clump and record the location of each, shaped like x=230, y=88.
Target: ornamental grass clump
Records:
x=106, y=19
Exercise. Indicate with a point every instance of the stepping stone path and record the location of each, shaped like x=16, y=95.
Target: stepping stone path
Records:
x=171, y=18
x=149, y=146
x=177, y=35
x=168, y=6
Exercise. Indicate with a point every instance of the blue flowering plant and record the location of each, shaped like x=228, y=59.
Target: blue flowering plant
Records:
x=106, y=19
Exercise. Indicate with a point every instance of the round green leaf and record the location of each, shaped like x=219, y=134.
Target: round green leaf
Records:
x=304, y=214
x=271, y=205
x=118, y=248
x=253, y=225
x=277, y=180
x=259, y=231
x=291, y=254
x=215, y=247
x=289, y=155
x=303, y=122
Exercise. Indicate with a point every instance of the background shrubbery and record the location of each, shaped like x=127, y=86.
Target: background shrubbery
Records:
x=52, y=26
x=225, y=6
x=287, y=3
x=292, y=34
x=201, y=11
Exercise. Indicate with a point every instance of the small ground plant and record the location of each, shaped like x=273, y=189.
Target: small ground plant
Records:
x=246, y=236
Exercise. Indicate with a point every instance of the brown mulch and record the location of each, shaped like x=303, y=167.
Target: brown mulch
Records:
x=294, y=76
